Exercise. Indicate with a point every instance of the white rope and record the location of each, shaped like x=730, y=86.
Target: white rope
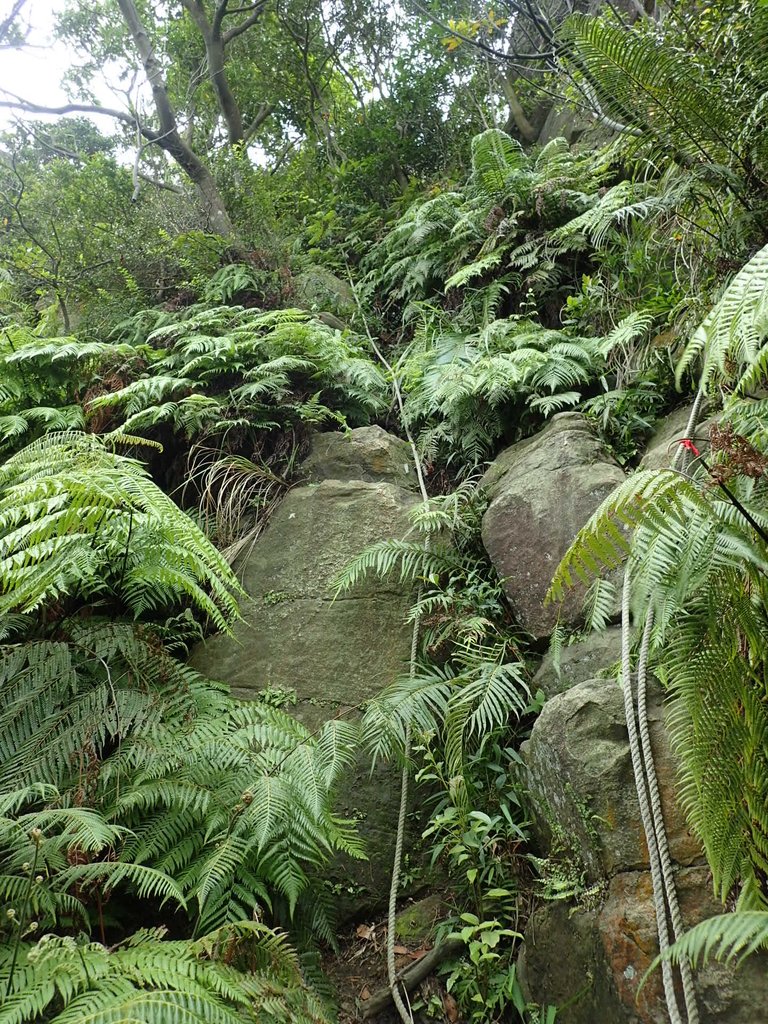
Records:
x=397, y=998
x=659, y=904
x=657, y=816
x=404, y=1011
x=646, y=782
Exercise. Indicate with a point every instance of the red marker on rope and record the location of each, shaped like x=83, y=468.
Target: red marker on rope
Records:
x=691, y=447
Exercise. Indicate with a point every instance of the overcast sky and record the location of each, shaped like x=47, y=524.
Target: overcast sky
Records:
x=35, y=72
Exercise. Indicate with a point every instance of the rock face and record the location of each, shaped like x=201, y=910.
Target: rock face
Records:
x=368, y=453
x=662, y=444
x=581, y=784
x=594, y=960
x=593, y=957
x=331, y=652
x=596, y=653
x=542, y=492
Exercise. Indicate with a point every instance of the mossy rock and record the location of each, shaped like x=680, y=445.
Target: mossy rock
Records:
x=416, y=924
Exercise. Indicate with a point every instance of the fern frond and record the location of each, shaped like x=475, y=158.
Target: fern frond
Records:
x=734, y=330
x=728, y=937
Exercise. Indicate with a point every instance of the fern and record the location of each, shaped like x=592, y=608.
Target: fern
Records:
x=651, y=88
x=462, y=391
x=694, y=559
x=731, y=337
x=233, y=801
x=151, y=980
x=76, y=517
x=728, y=937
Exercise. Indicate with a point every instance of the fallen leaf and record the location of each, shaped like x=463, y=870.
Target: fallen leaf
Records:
x=450, y=1008
x=366, y=993
x=417, y=954
x=365, y=931
x=401, y=950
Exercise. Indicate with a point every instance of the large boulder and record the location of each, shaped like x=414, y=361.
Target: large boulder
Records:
x=593, y=655
x=581, y=785
x=327, y=653
x=543, y=490
x=318, y=289
x=333, y=650
x=591, y=960
x=562, y=963
x=367, y=453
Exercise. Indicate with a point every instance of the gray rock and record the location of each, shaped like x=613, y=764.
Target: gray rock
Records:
x=581, y=785
x=562, y=963
x=593, y=656
x=317, y=288
x=595, y=959
x=662, y=444
x=366, y=453
x=543, y=490
x=333, y=653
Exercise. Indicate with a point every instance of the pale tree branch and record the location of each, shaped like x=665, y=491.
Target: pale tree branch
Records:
x=17, y=103
x=169, y=137
x=7, y=23
x=237, y=30
x=216, y=60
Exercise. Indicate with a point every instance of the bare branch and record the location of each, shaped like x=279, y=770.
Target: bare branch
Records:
x=261, y=116
x=545, y=56
x=17, y=103
x=7, y=24
x=237, y=30
x=166, y=186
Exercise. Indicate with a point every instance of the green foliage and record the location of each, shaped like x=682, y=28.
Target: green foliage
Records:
x=53, y=858
x=730, y=338
x=505, y=284
x=77, y=517
x=728, y=937
x=218, y=369
x=127, y=776
x=498, y=222
x=149, y=979
x=234, y=801
x=697, y=559
x=465, y=391
x=705, y=111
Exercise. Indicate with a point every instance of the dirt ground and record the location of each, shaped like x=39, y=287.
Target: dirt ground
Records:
x=359, y=970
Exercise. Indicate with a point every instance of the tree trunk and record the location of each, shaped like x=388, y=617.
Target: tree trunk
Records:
x=216, y=58
x=516, y=112
x=227, y=102
x=169, y=138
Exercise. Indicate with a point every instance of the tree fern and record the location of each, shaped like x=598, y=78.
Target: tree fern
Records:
x=731, y=337
x=651, y=88
x=151, y=980
x=695, y=546
x=729, y=937
x=77, y=517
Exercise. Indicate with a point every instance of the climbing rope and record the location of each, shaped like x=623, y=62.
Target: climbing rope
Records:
x=394, y=886
x=397, y=996
x=638, y=769
x=646, y=782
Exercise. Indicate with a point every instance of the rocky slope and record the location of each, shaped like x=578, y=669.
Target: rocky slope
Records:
x=587, y=954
